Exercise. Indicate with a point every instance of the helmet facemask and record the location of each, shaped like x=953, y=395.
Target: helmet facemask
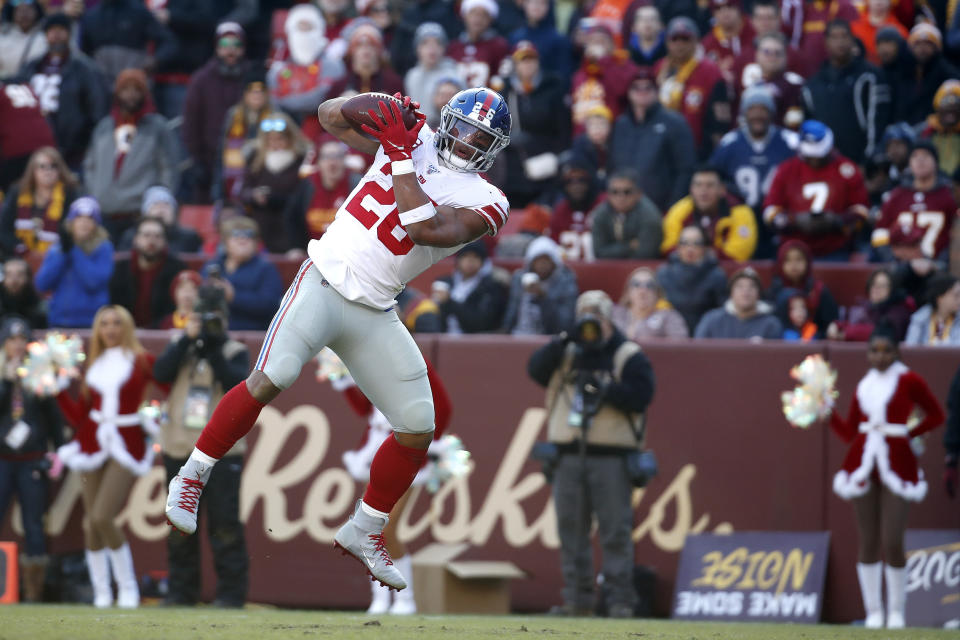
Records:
x=466, y=145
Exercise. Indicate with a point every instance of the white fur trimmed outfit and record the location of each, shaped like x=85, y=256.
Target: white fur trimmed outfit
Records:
x=877, y=430
x=106, y=420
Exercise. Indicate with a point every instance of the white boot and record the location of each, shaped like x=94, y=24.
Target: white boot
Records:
x=128, y=593
x=380, y=599
x=896, y=597
x=870, y=576
x=98, y=566
x=404, y=603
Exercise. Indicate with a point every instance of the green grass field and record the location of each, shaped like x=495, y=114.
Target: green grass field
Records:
x=52, y=622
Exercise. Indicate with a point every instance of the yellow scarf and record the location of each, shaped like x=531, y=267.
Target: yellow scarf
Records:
x=53, y=213
x=671, y=87
x=939, y=332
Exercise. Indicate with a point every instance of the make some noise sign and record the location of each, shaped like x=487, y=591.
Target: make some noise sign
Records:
x=759, y=576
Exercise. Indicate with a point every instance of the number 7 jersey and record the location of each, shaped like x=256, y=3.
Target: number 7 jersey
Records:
x=367, y=256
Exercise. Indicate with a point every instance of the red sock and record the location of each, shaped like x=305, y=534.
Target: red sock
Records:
x=391, y=473
x=233, y=418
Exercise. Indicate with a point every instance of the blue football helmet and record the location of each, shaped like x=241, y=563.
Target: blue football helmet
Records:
x=474, y=128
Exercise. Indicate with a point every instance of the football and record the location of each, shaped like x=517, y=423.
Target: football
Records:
x=355, y=110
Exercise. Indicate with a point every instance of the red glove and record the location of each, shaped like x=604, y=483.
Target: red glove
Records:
x=392, y=134
x=421, y=118
x=950, y=477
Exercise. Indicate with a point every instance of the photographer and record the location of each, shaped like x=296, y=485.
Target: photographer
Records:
x=199, y=363
x=28, y=425
x=598, y=386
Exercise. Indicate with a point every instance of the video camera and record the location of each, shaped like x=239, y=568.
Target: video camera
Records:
x=212, y=307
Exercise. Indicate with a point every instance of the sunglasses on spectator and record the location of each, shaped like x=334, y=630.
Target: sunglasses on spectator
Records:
x=229, y=42
x=621, y=192
x=273, y=124
x=250, y=234
x=46, y=166
x=690, y=243
x=643, y=284
x=681, y=36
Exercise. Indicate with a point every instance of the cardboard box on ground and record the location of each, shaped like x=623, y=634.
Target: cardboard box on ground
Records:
x=445, y=584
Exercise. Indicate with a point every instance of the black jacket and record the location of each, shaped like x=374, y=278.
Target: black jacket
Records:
x=693, y=289
x=915, y=90
x=228, y=373
x=854, y=102
x=27, y=305
x=128, y=24
x=632, y=394
x=660, y=148
x=123, y=288
x=84, y=99
x=951, y=435
x=481, y=311
x=40, y=413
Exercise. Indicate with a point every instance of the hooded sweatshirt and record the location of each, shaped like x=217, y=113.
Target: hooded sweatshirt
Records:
x=551, y=312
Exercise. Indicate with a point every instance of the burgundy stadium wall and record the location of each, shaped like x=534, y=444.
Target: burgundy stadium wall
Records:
x=728, y=461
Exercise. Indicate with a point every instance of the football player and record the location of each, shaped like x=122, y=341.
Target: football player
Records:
x=421, y=200
x=917, y=216
x=817, y=196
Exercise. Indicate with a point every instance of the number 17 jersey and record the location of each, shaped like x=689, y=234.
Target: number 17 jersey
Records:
x=367, y=256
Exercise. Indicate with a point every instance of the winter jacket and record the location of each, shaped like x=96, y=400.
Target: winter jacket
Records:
x=27, y=305
x=541, y=124
x=210, y=95
x=481, y=311
x=854, y=102
x=257, y=289
x=152, y=160
x=660, y=149
x=724, y=323
x=78, y=282
x=554, y=310
x=115, y=33
x=918, y=333
x=693, y=289
x=863, y=317
x=124, y=285
x=554, y=48
x=732, y=227
x=82, y=100
x=915, y=92
x=642, y=223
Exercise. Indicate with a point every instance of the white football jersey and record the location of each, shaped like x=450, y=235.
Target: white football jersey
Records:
x=366, y=255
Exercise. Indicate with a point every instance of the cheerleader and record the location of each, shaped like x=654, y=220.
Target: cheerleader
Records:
x=358, y=462
x=880, y=473
x=109, y=447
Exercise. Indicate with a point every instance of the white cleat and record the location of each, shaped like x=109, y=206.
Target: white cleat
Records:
x=184, y=495
x=362, y=538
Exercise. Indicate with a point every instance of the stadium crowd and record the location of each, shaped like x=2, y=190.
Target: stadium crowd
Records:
x=798, y=132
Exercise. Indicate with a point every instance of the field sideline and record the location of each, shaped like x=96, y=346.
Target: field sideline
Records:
x=54, y=622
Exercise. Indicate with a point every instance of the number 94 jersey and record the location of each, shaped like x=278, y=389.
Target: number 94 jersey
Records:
x=367, y=256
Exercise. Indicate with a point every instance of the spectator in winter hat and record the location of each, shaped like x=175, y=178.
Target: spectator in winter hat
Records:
x=915, y=93
x=78, y=271
x=744, y=314
x=943, y=126
x=430, y=41
x=478, y=50
x=543, y=293
x=213, y=89
x=130, y=150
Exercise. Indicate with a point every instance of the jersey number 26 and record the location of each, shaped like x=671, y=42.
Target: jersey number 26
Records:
x=366, y=204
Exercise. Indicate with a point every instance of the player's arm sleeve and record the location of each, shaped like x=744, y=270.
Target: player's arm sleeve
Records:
x=741, y=237
x=673, y=224
x=494, y=215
